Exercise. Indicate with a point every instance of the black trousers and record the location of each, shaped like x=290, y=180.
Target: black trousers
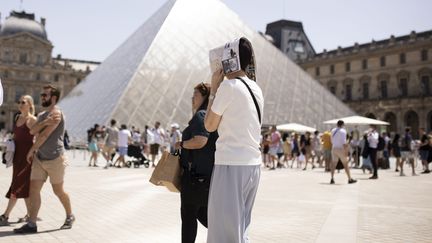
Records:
x=373, y=157
x=190, y=213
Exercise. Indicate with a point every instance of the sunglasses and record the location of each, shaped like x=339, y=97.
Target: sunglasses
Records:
x=43, y=95
x=21, y=102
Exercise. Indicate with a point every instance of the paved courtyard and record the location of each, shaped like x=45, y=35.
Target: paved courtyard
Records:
x=120, y=205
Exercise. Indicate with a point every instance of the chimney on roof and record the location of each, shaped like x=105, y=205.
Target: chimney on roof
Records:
x=43, y=21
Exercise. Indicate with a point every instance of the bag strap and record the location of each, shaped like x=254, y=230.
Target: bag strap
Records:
x=253, y=97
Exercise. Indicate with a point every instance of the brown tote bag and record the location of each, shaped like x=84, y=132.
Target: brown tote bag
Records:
x=167, y=172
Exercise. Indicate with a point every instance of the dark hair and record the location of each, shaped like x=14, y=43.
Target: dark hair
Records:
x=54, y=91
x=285, y=136
x=407, y=129
x=204, y=89
x=123, y=126
x=113, y=122
x=316, y=132
x=340, y=123
x=396, y=138
x=245, y=51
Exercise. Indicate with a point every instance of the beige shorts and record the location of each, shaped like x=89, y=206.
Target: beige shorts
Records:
x=55, y=169
x=109, y=149
x=339, y=154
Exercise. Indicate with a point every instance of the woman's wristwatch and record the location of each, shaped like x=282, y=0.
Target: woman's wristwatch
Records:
x=211, y=97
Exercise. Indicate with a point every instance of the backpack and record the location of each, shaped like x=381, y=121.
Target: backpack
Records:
x=381, y=143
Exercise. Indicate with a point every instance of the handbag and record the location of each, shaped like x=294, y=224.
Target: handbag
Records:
x=168, y=172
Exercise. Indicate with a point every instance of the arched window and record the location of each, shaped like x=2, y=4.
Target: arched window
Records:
x=390, y=117
x=383, y=80
x=425, y=75
x=429, y=121
x=370, y=115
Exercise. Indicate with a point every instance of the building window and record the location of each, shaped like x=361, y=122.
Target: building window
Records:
x=38, y=77
x=382, y=61
x=39, y=60
x=424, y=55
x=23, y=58
x=332, y=69
x=402, y=59
x=298, y=46
x=365, y=91
x=383, y=89
x=404, y=87
x=425, y=84
x=7, y=57
x=317, y=71
x=364, y=64
x=347, y=66
x=56, y=78
x=333, y=89
x=348, y=92
x=6, y=74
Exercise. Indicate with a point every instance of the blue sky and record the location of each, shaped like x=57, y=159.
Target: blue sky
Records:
x=91, y=30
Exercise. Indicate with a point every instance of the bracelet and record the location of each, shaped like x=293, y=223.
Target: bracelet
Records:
x=211, y=96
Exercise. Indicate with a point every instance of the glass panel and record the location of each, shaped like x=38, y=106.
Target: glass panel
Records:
x=151, y=76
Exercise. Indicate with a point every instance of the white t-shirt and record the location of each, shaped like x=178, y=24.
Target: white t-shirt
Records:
x=338, y=137
x=239, y=129
x=123, y=136
x=158, y=135
x=373, y=139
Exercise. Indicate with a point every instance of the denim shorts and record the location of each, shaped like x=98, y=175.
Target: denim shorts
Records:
x=424, y=154
x=123, y=151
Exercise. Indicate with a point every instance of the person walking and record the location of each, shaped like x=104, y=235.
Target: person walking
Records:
x=340, y=151
x=20, y=185
x=373, y=139
x=234, y=109
x=110, y=146
x=197, y=159
x=47, y=154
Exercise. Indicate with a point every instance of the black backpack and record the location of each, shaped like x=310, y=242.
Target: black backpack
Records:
x=381, y=143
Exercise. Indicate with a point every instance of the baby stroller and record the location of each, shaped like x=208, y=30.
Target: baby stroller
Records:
x=135, y=151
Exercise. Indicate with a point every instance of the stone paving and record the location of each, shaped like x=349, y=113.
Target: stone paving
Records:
x=120, y=205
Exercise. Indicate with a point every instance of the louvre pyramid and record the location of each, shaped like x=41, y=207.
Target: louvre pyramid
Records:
x=151, y=76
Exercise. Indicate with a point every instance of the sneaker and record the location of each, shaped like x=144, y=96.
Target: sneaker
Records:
x=373, y=177
x=332, y=181
x=351, y=181
x=26, y=229
x=68, y=222
x=426, y=172
x=396, y=170
x=4, y=220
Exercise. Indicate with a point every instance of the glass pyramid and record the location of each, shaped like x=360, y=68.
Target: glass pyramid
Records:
x=151, y=76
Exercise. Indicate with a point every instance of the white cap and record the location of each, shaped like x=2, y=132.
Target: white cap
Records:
x=175, y=125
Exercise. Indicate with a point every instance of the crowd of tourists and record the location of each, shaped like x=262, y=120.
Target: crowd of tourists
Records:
x=368, y=150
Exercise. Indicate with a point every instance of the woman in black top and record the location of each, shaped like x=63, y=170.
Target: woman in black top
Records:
x=395, y=148
x=197, y=159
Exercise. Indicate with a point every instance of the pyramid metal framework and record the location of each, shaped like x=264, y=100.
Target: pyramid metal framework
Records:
x=151, y=76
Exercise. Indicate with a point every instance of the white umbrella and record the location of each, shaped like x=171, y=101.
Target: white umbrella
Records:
x=358, y=120
x=294, y=127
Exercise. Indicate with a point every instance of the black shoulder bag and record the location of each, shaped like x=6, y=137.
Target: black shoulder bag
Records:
x=253, y=97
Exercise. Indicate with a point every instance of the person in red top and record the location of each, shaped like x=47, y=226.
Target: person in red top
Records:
x=20, y=185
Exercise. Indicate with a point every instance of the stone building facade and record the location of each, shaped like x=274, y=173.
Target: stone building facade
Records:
x=389, y=79
x=26, y=64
